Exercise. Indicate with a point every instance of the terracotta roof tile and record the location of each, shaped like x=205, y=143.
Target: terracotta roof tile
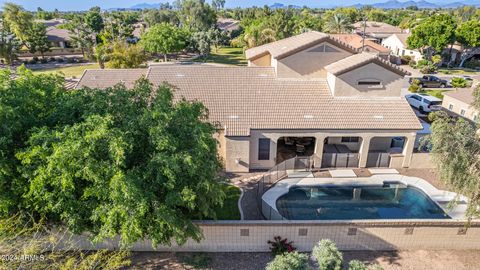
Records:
x=103, y=78
x=357, y=60
x=356, y=41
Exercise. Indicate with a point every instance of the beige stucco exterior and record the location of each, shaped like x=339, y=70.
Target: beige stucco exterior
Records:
x=237, y=151
x=457, y=106
x=346, y=84
x=308, y=63
x=263, y=61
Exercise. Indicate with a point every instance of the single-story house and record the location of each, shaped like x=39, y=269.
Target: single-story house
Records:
x=376, y=31
x=308, y=95
x=397, y=43
x=366, y=45
x=460, y=102
x=228, y=24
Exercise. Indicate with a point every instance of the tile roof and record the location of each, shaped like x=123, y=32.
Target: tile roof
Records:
x=464, y=95
x=357, y=60
x=57, y=34
x=376, y=27
x=103, y=78
x=244, y=98
x=355, y=41
x=284, y=47
x=403, y=38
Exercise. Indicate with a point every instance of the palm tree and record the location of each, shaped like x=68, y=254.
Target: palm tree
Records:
x=339, y=23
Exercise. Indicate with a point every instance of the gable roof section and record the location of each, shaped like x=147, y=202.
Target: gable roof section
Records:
x=357, y=60
x=291, y=45
x=463, y=95
x=376, y=27
x=356, y=41
x=103, y=78
x=245, y=98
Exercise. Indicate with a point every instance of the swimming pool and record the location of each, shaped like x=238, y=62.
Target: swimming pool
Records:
x=388, y=201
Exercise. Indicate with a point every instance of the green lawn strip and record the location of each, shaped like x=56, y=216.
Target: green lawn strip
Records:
x=225, y=55
x=455, y=71
x=435, y=92
x=70, y=71
x=230, y=210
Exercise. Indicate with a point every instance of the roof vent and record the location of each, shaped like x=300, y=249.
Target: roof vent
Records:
x=180, y=75
x=262, y=75
x=378, y=117
x=284, y=47
x=94, y=77
x=233, y=117
x=308, y=116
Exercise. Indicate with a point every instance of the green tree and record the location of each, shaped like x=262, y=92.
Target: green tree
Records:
x=163, y=39
x=124, y=55
x=36, y=40
x=17, y=20
x=338, y=23
x=455, y=150
x=201, y=42
x=81, y=35
x=197, y=15
x=327, y=255
x=218, y=4
x=436, y=32
x=110, y=162
x=289, y=261
x=94, y=21
x=9, y=45
x=156, y=16
x=468, y=34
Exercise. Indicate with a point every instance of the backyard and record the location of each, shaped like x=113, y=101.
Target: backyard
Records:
x=226, y=56
x=70, y=71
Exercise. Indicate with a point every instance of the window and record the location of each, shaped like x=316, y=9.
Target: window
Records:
x=462, y=112
x=416, y=97
x=263, y=149
x=369, y=83
x=350, y=139
x=450, y=107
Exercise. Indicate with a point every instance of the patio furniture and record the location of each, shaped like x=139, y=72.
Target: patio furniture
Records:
x=289, y=141
x=300, y=148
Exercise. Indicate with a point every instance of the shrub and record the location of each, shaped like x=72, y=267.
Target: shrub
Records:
x=428, y=69
x=414, y=88
x=374, y=267
x=327, y=255
x=356, y=265
x=289, y=261
x=412, y=64
x=43, y=61
x=406, y=59
x=35, y=58
x=279, y=246
x=421, y=63
x=459, y=82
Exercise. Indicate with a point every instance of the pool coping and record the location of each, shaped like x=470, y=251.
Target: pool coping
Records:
x=439, y=197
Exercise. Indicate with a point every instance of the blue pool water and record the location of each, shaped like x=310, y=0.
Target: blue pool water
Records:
x=362, y=202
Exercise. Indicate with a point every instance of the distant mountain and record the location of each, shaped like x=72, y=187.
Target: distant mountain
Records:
x=145, y=6
x=280, y=5
x=394, y=4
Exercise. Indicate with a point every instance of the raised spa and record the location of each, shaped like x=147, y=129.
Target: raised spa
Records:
x=390, y=201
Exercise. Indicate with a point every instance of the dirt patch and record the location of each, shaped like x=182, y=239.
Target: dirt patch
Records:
x=430, y=175
x=389, y=260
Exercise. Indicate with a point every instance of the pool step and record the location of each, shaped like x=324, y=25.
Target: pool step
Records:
x=342, y=173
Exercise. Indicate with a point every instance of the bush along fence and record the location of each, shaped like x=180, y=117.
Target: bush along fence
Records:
x=253, y=236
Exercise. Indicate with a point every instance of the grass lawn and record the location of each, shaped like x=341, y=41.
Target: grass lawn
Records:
x=227, y=56
x=70, y=71
x=458, y=71
x=230, y=210
x=434, y=92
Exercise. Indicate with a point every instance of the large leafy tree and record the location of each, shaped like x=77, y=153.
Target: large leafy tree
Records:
x=36, y=40
x=163, y=39
x=123, y=55
x=17, y=20
x=468, y=34
x=110, y=162
x=456, y=151
x=9, y=45
x=436, y=32
x=197, y=15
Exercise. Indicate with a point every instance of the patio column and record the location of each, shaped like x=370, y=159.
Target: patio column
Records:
x=363, y=152
x=318, y=153
x=408, y=150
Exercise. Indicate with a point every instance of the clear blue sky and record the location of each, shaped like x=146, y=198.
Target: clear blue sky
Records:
x=86, y=4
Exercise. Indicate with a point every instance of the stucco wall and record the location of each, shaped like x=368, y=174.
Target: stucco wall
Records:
x=264, y=61
x=458, y=105
x=252, y=236
x=237, y=151
x=219, y=136
x=397, y=48
x=307, y=64
x=347, y=84
x=422, y=161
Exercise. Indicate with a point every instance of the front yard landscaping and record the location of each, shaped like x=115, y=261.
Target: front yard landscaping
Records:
x=75, y=71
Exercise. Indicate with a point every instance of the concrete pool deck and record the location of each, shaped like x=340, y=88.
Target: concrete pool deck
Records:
x=441, y=197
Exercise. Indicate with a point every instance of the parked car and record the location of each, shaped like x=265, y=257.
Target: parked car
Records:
x=430, y=81
x=424, y=102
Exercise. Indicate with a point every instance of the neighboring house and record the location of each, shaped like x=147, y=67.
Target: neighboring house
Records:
x=376, y=31
x=460, y=102
x=358, y=43
x=308, y=95
x=397, y=43
x=58, y=37
x=228, y=24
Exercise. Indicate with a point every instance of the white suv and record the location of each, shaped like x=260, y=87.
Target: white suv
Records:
x=423, y=102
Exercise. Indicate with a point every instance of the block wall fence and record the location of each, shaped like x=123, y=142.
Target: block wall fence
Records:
x=252, y=236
